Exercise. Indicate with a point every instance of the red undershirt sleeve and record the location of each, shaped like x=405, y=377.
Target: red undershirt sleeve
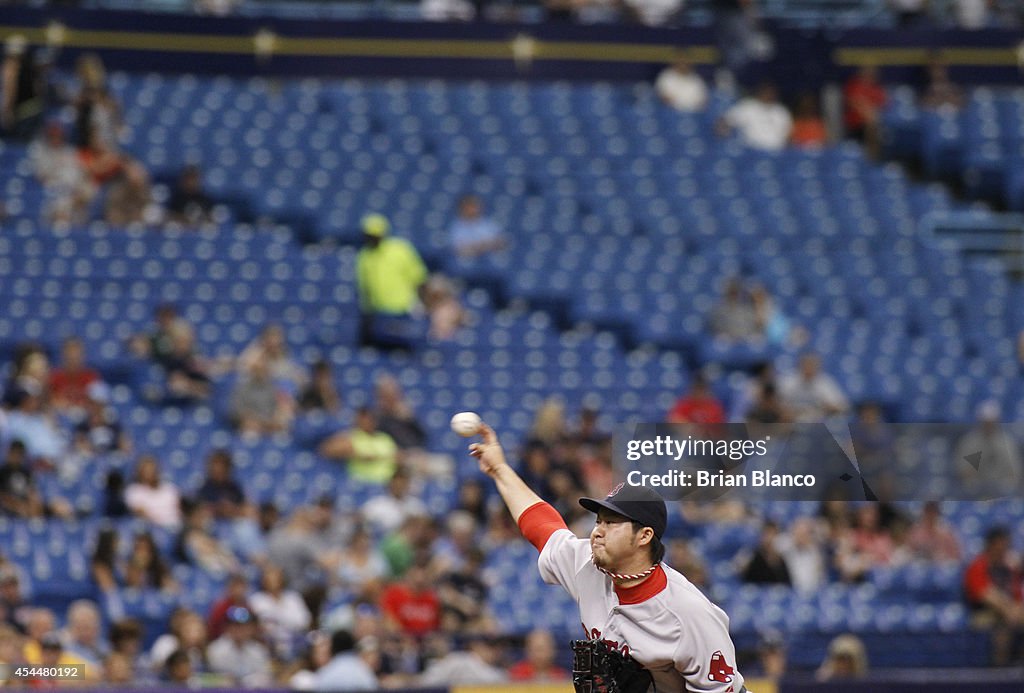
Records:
x=539, y=522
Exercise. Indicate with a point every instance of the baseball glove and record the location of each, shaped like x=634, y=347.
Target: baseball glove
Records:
x=597, y=668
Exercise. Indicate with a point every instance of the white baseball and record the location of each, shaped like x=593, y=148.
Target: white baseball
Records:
x=466, y=424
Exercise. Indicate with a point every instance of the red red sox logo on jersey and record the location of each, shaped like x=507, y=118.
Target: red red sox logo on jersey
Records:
x=721, y=672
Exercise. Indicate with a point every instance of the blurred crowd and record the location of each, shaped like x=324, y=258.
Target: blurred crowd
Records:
x=968, y=14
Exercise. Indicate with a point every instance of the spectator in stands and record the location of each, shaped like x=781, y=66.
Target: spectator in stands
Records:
x=680, y=87
x=767, y=566
x=219, y=8
x=282, y=613
x=364, y=567
x=11, y=644
x=30, y=374
x=681, y=556
x=126, y=641
x=847, y=658
x=301, y=676
x=932, y=538
x=15, y=609
x=734, y=319
x=772, y=323
x=549, y=426
x=389, y=276
x=83, y=639
x=737, y=33
x=320, y=393
x=145, y=561
x=370, y=454
x=348, y=669
x=117, y=671
x=941, y=93
x=187, y=635
x=538, y=664
x=188, y=376
x=258, y=404
x=873, y=441
x=698, y=406
x=128, y=194
x=810, y=394
x=441, y=301
x=411, y=606
x=1000, y=467
x=113, y=495
x=865, y=98
x=396, y=417
x=463, y=594
x=272, y=348
x=22, y=90
x=238, y=654
x=809, y=131
x=760, y=120
x=69, y=190
x=19, y=495
x=157, y=345
x=472, y=497
x=107, y=566
x=472, y=233
x=478, y=665
x=387, y=511
x=99, y=432
x=447, y=10
x=198, y=546
x=994, y=590
x=179, y=671
x=767, y=408
x=188, y=203
x=236, y=594
x=97, y=111
x=771, y=655
x=220, y=491
x=29, y=422
x=803, y=551
x=865, y=547
x=70, y=382
x=981, y=14
x=153, y=498
x=909, y=13
x=309, y=546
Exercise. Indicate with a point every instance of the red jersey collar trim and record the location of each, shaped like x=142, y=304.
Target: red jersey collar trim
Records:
x=643, y=591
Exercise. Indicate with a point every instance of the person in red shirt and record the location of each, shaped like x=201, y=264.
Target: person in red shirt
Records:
x=994, y=590
x=412, y=606
x=698, y=406
x=236, y=594
x=69, y=383
x=808, y=128
x=539, y=665
x=865, y=97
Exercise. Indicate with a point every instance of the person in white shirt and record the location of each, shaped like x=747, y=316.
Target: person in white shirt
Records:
x=760, y=121
x=810, y=394
x=802, y=550
x=388, y=511
x=679, y=86
x=238, y=654
x=150, y=497
x=282, y=612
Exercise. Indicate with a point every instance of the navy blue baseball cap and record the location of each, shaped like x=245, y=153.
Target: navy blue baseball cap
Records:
x=637, y=503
